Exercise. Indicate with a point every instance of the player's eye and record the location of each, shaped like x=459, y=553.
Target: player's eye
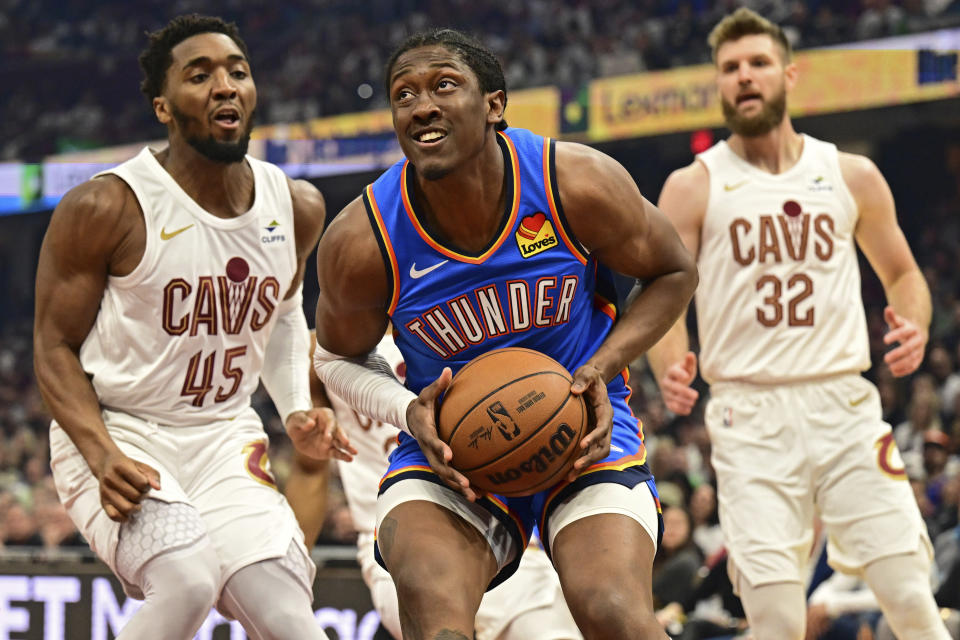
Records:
x=239, y=75
x=198, y=78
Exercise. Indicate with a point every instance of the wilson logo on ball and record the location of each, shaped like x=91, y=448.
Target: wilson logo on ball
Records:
x=541, y=460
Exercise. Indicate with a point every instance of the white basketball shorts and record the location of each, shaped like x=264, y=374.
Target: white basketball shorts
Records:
x=220, y=468
x=785, y=453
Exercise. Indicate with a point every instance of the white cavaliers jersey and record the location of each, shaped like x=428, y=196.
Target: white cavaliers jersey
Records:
x=181, y=339
x=374, y=441
x=779, y=296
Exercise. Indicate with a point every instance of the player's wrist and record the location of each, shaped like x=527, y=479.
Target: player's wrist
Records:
x=404, y=425
x=97, y=454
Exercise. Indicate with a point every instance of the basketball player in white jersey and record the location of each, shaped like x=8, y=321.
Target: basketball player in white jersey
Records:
x=529, y=604
x=167, y=288
x=774, y=218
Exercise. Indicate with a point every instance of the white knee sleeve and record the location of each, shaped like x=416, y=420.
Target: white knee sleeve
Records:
x=270, y=602
x=157, y=528
x=902, y=586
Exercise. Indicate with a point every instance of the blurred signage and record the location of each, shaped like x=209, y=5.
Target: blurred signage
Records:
x=21, y=188
x=653, y=103
x=535, y=109
x=85, y=602
x=830, y=80
x=344, y=144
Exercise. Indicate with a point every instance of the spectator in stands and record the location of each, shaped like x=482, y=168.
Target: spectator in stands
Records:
x=923, y=413
x=19, y=527
x=710, y=610
x=678, y=559
x=706, y=525
x=941, y=365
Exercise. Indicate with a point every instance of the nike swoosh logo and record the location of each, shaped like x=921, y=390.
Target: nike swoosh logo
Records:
x=166, y=236
x=419, y=273
x=734, y=187
x=857, y=401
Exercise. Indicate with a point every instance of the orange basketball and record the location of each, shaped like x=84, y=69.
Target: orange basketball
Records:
x=512, y=422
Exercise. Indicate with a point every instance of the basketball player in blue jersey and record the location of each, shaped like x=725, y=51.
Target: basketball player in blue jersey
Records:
x=489, y=237
x=167, y=288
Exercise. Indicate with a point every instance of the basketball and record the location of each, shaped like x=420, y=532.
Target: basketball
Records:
x=511, y=421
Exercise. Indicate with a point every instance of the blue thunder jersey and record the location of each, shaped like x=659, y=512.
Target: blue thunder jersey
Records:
x=533, y=286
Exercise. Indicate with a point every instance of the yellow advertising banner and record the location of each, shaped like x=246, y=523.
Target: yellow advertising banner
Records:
x=535, y=109
x=648, y=104
x=830, y=80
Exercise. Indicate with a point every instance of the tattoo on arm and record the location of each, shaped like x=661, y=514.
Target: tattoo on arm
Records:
x=385, y=538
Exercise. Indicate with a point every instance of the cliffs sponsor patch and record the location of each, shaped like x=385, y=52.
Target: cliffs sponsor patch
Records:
x=535, y=235
x=819, y=183
x=271, y=236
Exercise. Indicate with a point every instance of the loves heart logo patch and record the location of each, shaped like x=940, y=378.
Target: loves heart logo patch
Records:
x=535, y=235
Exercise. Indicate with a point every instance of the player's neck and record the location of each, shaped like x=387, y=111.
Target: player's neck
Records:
x=225, y=190
x=466, y=205
x=774, y=152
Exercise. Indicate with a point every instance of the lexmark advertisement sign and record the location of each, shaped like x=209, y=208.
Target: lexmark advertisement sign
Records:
x=83, y=601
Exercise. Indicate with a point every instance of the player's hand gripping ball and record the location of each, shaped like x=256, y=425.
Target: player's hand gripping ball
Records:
x=511, y=421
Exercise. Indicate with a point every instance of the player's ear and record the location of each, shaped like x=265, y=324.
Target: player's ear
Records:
x=791, y=73
x=496, y=104
x=161, y=107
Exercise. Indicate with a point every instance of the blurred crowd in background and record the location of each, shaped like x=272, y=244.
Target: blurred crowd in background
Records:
x=71, y=76
x=69, y=69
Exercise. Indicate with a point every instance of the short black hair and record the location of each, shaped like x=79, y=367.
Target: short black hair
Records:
x=476, y=56
x=157, y=57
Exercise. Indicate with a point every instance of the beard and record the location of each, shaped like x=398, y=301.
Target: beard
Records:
x=771, y=115
x=228, y=152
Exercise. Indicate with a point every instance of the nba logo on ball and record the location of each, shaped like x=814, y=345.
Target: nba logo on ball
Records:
x=501, y=417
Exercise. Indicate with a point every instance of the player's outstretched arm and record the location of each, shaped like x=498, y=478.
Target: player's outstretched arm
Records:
x=306, y=487
x=71, y=278
x=882, y=241
x=351, y=320
x=286, y=364
x=684, y=201
x=630, y=235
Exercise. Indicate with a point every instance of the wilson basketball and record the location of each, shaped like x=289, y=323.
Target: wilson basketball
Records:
x=512, y=422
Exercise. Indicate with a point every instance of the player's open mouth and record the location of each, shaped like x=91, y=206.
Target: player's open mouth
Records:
x=228, y=118
x=747, y=97
x=430, y=136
